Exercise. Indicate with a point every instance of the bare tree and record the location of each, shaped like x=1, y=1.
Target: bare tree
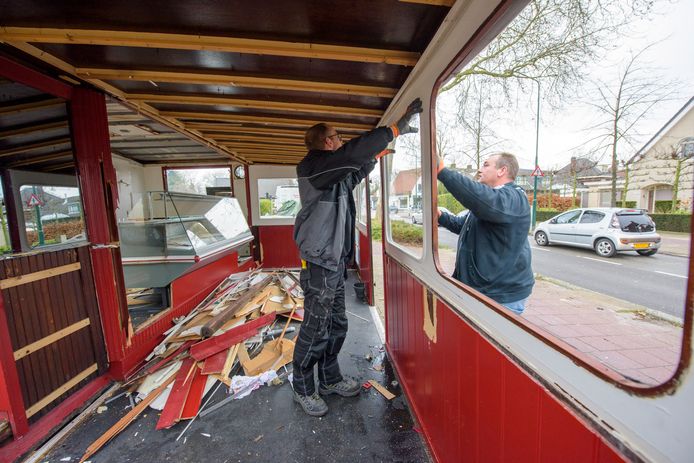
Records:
x=552, y=41
x=622, y=104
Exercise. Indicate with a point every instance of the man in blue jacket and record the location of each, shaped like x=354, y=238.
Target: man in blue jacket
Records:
x=324, y=233
x=493, y=252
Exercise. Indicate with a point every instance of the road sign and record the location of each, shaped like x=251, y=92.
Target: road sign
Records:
x=537, y=172
x=34, y=201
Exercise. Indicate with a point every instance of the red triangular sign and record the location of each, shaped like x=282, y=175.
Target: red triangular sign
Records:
x=537, y=172
x=34, y=200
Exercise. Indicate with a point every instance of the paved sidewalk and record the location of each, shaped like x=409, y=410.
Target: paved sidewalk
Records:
x=618, y=334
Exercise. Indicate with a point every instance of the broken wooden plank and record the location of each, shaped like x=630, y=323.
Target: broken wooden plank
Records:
x=197, y=390
x=155, y=365
x=177, y=398
x=384, y=392
x=125, y=421
x=215, y=363
x=220, y=319
x=274, y=355
x=211, y=346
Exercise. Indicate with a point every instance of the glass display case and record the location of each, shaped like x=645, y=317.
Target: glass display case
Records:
x=168, y=234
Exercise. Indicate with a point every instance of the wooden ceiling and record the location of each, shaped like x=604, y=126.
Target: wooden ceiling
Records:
x=244, y=78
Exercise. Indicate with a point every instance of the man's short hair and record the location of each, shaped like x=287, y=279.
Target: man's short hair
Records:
x=510, y=162
x=314, y=139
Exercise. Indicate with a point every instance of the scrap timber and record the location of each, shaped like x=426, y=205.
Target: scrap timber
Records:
x=207, y=345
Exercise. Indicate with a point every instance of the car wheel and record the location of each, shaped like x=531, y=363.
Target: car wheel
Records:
x=605, y=248
x=541, y=238
x=647, y=252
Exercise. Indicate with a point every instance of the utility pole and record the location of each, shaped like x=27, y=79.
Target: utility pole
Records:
x=533, y=216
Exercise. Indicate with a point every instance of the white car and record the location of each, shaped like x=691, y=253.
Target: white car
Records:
x=607, y=230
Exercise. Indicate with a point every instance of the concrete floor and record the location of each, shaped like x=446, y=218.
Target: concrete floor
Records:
x=268, y=425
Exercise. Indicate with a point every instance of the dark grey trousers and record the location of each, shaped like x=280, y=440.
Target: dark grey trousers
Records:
x=323, y=330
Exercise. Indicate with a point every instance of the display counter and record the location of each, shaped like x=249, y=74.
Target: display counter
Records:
x=169, y=234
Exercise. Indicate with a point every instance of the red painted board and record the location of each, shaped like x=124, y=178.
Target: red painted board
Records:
x=197, y=390
x=177, y=398
x=215, y=363
x=155, y=366
x=211, y=346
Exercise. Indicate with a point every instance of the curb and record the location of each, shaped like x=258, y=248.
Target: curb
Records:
x=638, y=308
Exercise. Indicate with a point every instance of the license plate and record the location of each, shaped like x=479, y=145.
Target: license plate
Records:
x=640, y=245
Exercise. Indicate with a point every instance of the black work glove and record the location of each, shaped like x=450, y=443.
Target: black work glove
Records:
x=404, y=123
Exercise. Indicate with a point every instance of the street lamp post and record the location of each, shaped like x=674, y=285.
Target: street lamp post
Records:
x=533, y=216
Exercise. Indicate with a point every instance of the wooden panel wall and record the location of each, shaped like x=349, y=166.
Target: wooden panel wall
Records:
x=473, y=402
x=54, y=325
x=277, y=246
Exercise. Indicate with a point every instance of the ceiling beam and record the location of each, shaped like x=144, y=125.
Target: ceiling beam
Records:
x=236, y=81
x=267, y=120
x=146, y=110
x=58, y=167
x=208, y=43
x=33, y=129
x=213, y=130
x=227, y=137
x=254, y=104
x=262, y=146
x=41, y=104
x=448, y=3
x=35, y=146
x=39, y=159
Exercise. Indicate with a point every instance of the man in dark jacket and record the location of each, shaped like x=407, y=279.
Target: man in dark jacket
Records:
x=493, y=252
x=324, y=233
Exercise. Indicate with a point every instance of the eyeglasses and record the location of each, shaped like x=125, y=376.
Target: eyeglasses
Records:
x=339, y=137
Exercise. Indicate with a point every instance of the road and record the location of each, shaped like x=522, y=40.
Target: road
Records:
x=657, y=282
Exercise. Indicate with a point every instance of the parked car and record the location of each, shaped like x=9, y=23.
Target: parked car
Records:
x=607, y=230
x=416, y=216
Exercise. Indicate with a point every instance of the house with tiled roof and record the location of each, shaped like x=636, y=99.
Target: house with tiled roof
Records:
x=406, y=189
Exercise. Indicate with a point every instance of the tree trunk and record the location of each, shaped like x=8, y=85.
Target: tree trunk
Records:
x=676, y=185
x=626, y=186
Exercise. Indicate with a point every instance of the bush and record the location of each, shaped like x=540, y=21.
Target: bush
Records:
x=449, y=202
x=265, y=206
x=672, y=222
x=559, y=203
x=403, y=232
x=53, y=230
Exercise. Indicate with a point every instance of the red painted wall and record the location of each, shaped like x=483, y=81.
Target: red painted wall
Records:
x=278, y=247
x=472, y=401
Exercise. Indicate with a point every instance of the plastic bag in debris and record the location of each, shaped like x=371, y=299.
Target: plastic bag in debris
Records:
x=378, y=357
x=244, y=385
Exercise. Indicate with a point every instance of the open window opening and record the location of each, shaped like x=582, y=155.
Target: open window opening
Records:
x=404, y=193
x=41, y=199
x=173, y=219
x=611, y=268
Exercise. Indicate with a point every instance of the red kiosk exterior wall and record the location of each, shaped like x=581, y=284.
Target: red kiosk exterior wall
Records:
x=278, y=247
x=472, y=401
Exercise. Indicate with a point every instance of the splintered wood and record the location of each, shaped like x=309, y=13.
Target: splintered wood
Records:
x=203, y=347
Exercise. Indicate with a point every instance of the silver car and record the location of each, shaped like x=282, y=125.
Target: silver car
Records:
x=608, y=230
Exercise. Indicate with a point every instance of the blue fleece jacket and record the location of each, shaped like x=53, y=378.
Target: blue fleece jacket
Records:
x=493, y=252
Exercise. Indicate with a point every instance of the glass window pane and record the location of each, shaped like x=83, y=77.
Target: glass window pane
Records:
x=278, y=197
x=613, y=289
x=201, y=181
x=52, y=215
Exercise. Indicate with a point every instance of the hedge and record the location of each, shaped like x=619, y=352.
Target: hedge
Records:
x=403, y=232
x=663, y=222
x=449, y=202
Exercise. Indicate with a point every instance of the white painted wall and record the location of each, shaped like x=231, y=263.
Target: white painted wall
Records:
x=131, y=183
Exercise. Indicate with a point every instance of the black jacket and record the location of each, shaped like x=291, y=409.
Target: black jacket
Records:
x=324, y=227
x=493, y=251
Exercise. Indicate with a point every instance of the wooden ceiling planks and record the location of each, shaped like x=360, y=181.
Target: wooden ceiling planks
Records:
x=299, y=66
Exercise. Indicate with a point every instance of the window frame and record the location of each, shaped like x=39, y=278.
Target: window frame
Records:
x=165, y=169
x=482, y=37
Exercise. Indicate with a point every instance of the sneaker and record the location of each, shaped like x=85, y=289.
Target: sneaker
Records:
x=312, y=404
x=346, y=388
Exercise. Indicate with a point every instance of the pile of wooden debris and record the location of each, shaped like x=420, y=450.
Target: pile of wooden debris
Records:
x=202, y=348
